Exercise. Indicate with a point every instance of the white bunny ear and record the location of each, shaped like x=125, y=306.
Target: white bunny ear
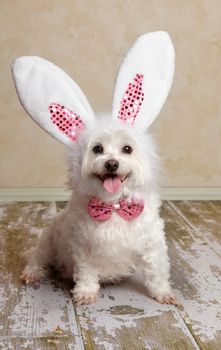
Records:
x=51, y=98
x=144, y=80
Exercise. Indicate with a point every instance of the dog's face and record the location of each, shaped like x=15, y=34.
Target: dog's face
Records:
x=114, y=162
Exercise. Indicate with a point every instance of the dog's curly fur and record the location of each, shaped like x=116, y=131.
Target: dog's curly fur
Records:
x=92, y=252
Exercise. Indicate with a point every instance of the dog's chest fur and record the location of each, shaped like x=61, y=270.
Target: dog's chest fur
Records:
x=112, y=247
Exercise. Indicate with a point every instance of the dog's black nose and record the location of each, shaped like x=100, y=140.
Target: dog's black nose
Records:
x=111, y=165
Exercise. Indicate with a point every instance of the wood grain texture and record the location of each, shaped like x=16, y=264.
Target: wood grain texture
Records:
x=50, y=342
x=126, y=318
x=195, y=273
x=203, y=216
x=31, y=317
x=43, y=316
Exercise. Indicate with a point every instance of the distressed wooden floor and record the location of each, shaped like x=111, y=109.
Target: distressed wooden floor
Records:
x=43, y=317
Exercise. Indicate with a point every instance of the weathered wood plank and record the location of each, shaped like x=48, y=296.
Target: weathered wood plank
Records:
x=125, y=318
x=31, y=314
x=31, y=215
x=60, y=205
x=52, y=342
x=203, y=216
x=196, y=276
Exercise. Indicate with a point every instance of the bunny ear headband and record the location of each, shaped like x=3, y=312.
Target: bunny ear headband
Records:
x=57, y=104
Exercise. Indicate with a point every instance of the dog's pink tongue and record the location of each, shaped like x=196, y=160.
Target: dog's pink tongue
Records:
x=112, y=185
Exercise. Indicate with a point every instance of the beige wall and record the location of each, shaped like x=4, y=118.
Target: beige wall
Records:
x=88, y=39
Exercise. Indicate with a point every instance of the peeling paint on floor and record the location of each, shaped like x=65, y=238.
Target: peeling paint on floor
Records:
x=43, y=316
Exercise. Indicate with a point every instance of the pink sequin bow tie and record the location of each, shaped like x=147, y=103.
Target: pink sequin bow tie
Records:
x=102, y=211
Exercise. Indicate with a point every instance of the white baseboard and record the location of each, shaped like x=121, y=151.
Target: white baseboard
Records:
x=34, y=194
x=191, y=193
x=60, y=194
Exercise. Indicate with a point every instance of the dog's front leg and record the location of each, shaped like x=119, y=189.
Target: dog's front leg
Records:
x=156, y=268
x=87, y=285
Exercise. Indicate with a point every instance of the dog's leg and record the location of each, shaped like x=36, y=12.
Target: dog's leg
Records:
x=37, y=258
x=86, y=285
x=156, y=279
x=156, y=269
x=156, y=276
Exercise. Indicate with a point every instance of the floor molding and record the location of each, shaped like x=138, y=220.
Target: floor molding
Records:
x=34, y=194
x=60, y=194
x=191, y=193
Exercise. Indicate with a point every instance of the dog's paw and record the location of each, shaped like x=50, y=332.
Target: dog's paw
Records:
x=84, y=298
x=31, y=275
x=29, y=278
x=167, y=298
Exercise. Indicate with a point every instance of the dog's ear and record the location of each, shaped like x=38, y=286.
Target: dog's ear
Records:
x=144, y=80
x=51, y=98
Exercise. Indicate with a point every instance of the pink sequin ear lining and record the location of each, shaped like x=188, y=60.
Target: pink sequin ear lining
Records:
x=132, y=100
x=68, y=122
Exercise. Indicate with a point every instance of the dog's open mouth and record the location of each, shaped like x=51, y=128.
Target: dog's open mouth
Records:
x=112, y=182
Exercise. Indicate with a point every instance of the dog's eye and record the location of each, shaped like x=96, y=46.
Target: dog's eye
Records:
x=98, y=149
x=127, y=149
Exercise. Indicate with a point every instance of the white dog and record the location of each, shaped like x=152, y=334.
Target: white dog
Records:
x=111, y=225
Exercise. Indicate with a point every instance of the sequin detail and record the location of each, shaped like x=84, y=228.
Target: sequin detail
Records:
x=101, y=211
x=68, y=122
x=132, y=100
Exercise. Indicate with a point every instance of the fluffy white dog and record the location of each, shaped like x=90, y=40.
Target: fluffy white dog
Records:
x=111, y=225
